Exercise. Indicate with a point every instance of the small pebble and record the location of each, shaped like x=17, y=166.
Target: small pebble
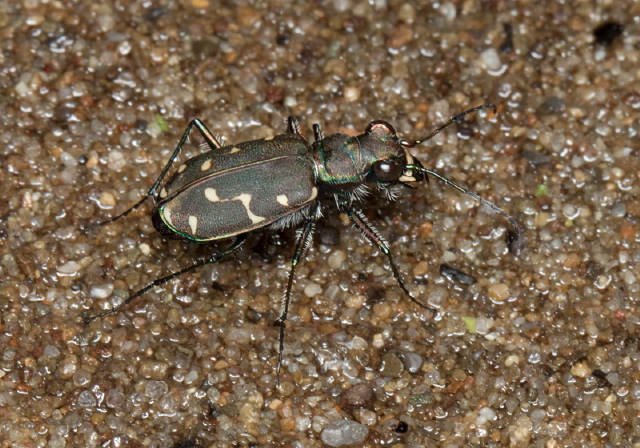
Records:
x=366, y=417
x=412, y=361
x=421, y=269
x=200, y=3
x=312, y=290
x=101, y=291
x=520, y=433
x=156, y=389
x=51, y=350
x=107, y=200
x=382, y=310
x=407, y=13
x=485, y=415
x=360, y=395
x=491, y=59
x=456, y=275
x=351, y=94
x=86, y=400
x=116, y=160
x=580, y=370
x=69, y=268
x=144, y=248
x=511, y=360
x=399, y=36
x=498, y=293
x=114, y=399
x=391, y=365
x=343, y=433
x=154, y=370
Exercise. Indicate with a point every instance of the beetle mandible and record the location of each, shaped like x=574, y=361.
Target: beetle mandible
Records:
x=229, y=191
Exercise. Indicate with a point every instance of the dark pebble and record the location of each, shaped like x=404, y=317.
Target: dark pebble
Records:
x=456, y=275
x=606, y=33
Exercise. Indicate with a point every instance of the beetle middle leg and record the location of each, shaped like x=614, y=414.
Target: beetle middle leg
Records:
x=161, y=281
x=210, y=140
x=305, y=237
x=374, y=237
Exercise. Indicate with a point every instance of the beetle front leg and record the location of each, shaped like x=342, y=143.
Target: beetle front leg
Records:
x=305, y=237
x=209, y=139
x=374, y=237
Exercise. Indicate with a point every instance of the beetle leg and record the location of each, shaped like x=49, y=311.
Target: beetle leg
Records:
x=293, y=125
x=161, y=281
x=317, y=132
x=209, y=139
x=374, y=237
x=305, y=237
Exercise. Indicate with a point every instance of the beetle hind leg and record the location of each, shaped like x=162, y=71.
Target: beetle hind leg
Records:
x=293, y=125
x=210, y=140
x=161, y=281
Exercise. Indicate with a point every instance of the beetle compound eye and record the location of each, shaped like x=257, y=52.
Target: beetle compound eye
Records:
x=388, y=170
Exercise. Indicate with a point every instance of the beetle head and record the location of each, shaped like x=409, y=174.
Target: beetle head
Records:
x=390, y=161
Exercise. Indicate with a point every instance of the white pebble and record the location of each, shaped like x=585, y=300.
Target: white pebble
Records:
x=101, y=291
x=312, y=289
x=69, y=268
x=116, y=160
x=336, y=259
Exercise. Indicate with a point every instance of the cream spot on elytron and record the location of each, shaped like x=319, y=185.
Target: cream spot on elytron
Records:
x=245, y=198
x=211, y=194
x=268, y=139
x=181, y=168
x=206, y=165
x=193, y=223
x=234, y=150
x=282, y=199
x=314, y=194
x=167, y=216
x=163, y=193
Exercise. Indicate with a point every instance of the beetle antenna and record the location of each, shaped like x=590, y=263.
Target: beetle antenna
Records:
x=491, y=205
x=457, y=118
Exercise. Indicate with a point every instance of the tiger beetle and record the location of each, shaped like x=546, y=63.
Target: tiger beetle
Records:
x=278, y=182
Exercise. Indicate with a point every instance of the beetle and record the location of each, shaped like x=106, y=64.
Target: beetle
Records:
x=227, y=192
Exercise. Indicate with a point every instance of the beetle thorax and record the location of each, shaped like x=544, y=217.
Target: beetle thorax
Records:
x=345, y=163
